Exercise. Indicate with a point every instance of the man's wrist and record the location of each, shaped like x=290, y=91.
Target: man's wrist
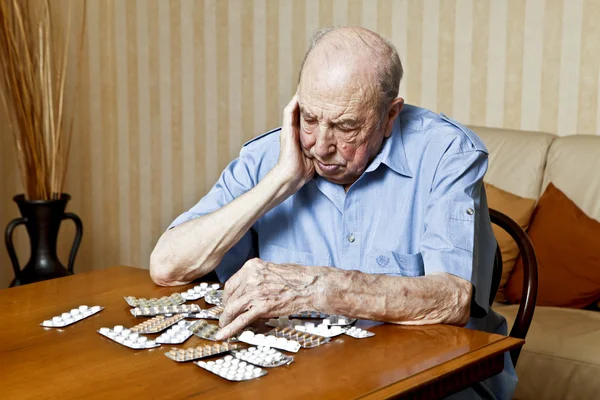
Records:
x=288, y=185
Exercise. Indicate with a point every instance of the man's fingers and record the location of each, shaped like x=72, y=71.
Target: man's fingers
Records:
x=232, y=284
x=233, y=308
x=238, y=324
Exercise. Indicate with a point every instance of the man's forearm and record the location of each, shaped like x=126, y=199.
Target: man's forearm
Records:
x=196, y=247
x=430, y=299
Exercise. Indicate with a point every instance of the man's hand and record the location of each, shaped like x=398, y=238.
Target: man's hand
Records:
x=261, y=289
x=293, y=166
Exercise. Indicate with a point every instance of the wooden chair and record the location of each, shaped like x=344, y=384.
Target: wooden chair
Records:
x=530, y=277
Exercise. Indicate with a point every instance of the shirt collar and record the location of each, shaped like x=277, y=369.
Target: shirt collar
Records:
x=392, y=153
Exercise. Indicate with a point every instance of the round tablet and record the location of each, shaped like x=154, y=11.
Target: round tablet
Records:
x=150, y=343
x=95, y=309
x=47, y=322
x=83, y=308
x=57, y=320
x=104, y=330
x=75, y=311
x=142, y=339
x=118, y=328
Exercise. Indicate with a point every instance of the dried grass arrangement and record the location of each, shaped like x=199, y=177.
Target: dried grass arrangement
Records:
x=34, y=50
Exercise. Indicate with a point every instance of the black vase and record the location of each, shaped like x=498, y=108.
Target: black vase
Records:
x=42, y=218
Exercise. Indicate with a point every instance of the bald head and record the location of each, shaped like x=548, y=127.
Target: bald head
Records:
x=358, y=55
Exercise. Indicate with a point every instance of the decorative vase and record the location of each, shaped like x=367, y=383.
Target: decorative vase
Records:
x=42, y=218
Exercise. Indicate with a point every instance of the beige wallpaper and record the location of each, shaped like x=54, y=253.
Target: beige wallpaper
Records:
x=171, y=90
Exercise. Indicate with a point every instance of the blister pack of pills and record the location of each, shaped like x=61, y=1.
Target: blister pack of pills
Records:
x=283, y=322
x=232, y=369
x=172, y=300
x=327, y=331
x=358, y=333
x=208, y=331
x=161, y=310
x=214, y=297
x=68, y=318
x=196, y=353
x=177, y=334
x=156, y=324
x=211, y=313
x=310, y=314
x=198, y=292
x=269, y=341
x=306, y=340
x=263, y=356
x=127, y=338
x=338, y=320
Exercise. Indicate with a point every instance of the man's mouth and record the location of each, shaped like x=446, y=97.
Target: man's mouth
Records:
x=329, y=168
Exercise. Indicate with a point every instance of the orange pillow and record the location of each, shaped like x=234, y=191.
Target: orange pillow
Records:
x=519, y=209
x=567, y=246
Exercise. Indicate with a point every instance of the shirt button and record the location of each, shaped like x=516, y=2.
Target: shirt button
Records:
x=351, y=238
x=470, y=211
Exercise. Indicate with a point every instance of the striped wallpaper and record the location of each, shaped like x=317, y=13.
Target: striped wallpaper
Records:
x=171, y=89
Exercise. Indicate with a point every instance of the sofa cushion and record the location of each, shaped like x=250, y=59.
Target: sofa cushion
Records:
x=566, y=243
x=517, y=159
x=574, y=167
x=519, y=210
x=561, y=356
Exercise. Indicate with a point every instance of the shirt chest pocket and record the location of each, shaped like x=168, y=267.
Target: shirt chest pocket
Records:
x=281, y=255
x=391, y=263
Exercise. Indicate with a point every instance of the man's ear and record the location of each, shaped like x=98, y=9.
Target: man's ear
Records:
x=393, y=112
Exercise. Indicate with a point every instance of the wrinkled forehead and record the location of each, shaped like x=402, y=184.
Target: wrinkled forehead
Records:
x=335, y=86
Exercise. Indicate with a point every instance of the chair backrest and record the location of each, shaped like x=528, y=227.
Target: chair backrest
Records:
x=530, y=277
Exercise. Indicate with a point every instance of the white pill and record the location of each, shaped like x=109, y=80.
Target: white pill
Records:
x=327, y=321
x=134, y=336
x=75, y=311
x=142, y=339
x=95, y=309
x=125, y=332
x=57, y=320
x=219, y=361
x=65, y=315
x=118, y=328
x=47, y=322
x=215, y=286
x=104, y=330
x=119, y=339
x=83, y=308
x=202, y=363
x=228, y=358
x=211, y=363
x=182, y=323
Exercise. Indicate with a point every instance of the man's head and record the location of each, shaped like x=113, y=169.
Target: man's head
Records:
x=347, y=93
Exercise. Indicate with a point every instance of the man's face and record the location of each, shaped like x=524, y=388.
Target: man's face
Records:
x=340, y=126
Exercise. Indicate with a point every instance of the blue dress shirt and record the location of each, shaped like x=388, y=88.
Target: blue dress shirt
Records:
x=419, y=208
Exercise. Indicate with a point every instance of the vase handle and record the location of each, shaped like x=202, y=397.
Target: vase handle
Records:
x=77, y=241
x=8, y=240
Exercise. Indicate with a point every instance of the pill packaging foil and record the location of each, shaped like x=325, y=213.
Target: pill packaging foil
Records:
x=160, y=310
x=196, y=353
x=157, y=324
x=127, y=338
x=358, y=333
x=327, y=319
x=211, y=313
x=338, y=320
x=269, y=341
x=310, y=314
x=172, y=300
x=68, y=318
x=305, y=339
x=327, y=331
x=263, y=356
x=208, y=331
x=214, y=297
x=198, y=292
x=232, y=369
x=177, y=334
x=283, y=322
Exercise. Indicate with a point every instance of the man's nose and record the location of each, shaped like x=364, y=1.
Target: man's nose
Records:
x=325, y=144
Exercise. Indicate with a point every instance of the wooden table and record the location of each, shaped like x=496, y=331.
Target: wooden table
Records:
x=77, y=362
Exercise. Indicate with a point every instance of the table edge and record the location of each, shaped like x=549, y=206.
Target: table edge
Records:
x=418, y=380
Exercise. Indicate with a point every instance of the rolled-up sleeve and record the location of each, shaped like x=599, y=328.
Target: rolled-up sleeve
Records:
x=236, y=179
x=457, y=238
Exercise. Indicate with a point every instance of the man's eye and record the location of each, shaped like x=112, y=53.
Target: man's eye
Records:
x=310, y=121
x=347, y=128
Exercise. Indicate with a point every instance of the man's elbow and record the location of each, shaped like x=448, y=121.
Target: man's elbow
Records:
x=160, y=270
x=463, y=304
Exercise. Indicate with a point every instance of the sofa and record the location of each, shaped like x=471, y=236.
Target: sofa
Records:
x=561, y=357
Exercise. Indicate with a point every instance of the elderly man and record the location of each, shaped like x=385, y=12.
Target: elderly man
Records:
x=358, y=205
